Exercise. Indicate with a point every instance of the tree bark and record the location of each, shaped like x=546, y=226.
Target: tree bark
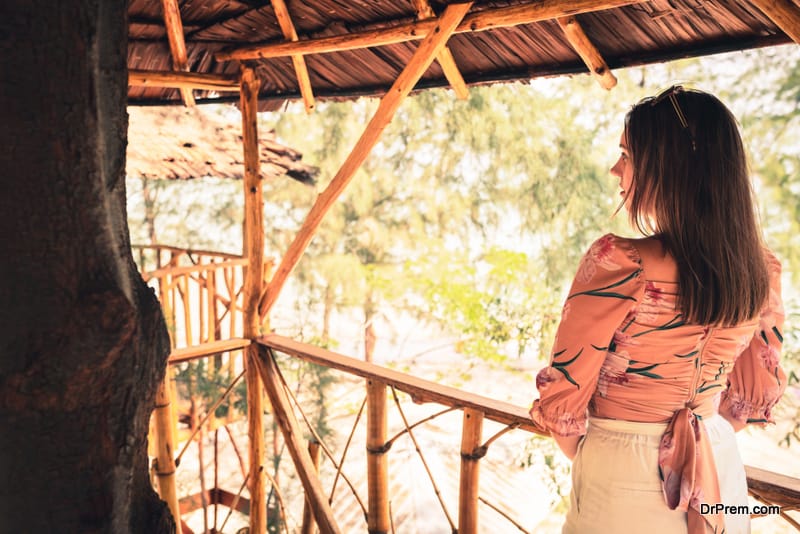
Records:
x=83, y=343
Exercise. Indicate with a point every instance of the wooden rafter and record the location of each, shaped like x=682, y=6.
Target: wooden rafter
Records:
x=587, y=51
x=784, y=13
x=416, y=67
x=181, y=80
x=177, y=44
x=300, y=69
x=445, y=57
x=485, y=20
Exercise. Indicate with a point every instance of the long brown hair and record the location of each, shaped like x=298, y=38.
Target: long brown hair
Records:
x=691, y=187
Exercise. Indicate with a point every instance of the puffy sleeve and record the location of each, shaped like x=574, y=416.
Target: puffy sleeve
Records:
x=757, y=380
x=606, y=288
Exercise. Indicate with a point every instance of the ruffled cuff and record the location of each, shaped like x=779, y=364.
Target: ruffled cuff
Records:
x=564, y=424
x=746, y=411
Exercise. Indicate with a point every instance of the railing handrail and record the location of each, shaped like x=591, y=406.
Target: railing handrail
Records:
x=183, y=250
x=421, y=390
x=186, y=269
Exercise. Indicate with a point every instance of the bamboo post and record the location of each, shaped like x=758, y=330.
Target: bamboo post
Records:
x=165, y=420
x=254, y=252
x=308, y=525
x=165, y=452
x=471, y=435
x=377, y=460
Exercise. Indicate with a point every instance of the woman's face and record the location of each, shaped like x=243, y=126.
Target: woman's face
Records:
x=623, y=170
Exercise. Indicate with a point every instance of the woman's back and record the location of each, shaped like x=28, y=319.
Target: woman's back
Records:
x=657, y=362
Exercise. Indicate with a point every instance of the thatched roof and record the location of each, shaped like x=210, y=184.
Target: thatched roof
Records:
x=485, y=50
x=185, y=143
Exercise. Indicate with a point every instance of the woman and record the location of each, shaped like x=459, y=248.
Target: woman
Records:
x=669, y=342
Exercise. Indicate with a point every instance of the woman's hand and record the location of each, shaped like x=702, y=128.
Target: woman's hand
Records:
x=568, y=445
x=735, y=423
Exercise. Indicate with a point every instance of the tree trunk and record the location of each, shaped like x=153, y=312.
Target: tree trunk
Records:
x=82, y=339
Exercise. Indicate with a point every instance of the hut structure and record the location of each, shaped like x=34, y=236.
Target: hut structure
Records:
x=270, y=52
x=259, y=54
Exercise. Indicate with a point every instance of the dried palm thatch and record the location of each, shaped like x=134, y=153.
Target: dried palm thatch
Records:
x=497, y=40
x=186, y=143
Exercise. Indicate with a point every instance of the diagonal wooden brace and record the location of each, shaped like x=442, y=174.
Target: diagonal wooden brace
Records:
x=419, y=63
x=293, y=436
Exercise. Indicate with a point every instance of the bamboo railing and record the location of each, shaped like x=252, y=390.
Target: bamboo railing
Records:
x=201, y=295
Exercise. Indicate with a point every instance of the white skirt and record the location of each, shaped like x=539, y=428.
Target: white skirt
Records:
x=615, y=483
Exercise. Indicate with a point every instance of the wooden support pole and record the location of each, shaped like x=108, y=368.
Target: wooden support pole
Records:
x=165, y=452
x=308, y=524
x=300, y=69
x=412, y=31
x=165, y=417
x=445, y=57
x=254, y=252
x=377, y=459
x=784, y=13
x=293, y=435
x=471, y=436
x=587, y=51
x=177, y=44
x=183, y=80
x=416, y=67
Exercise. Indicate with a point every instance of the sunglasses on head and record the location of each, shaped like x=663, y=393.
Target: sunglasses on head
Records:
x=671, y=95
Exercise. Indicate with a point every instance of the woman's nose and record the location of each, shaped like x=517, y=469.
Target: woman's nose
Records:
x=615, y=169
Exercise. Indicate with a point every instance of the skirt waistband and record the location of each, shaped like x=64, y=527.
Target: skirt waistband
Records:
x=631, y=427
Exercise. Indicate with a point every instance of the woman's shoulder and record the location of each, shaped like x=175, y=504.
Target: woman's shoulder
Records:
x=614, y=245
x=650, y=254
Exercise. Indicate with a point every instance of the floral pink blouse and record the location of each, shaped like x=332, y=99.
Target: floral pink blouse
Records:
x=623, y=351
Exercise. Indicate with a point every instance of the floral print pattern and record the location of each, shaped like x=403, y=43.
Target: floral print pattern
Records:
x=621, y=336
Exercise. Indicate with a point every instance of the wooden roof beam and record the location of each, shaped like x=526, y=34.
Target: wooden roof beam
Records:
x=405, y=82
x=183, y=80
x=300, y=69
x=587, y=51
x=411, y=31
x=177, y=44
x=445, y=57
x=784, y=13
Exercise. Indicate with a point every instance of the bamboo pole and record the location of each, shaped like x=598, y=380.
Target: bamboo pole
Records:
x=416, y=67
x=254, y=252
x=182, y=80
x=377, y=460
x=308, y=525
x=177, y=44
x=784, y=13
x=587, y=51
x=412, y=31
x=165, y=443
x=292, y=434
x=444, y=57
x=165, y=420
x=471, y=435
x=300, y=69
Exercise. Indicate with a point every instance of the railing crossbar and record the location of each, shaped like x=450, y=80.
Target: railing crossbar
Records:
x=424, y=462
x=313, y=431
